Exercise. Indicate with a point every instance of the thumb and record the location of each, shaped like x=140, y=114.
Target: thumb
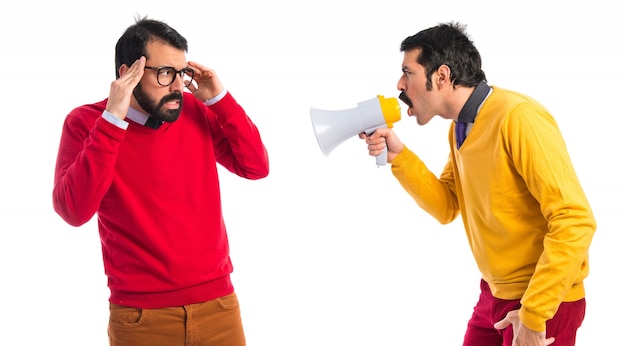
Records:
x=503, y=323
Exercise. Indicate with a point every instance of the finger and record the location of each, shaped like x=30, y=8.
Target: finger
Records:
x=197, y=66
x=202, y=72
x=502, y=324
x=135, y=72
x=375, y=140
x=198, y=69
x=138, y=65
x=373, y=135
x=192, y=87
x=366, y=137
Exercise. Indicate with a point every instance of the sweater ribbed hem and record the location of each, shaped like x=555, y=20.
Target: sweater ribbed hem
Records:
x=191, y=295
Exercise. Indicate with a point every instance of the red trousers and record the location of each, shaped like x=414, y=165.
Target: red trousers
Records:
x=213, y=323
x=489, y=310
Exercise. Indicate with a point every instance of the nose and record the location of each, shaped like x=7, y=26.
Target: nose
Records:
x=177, y=84
x=401, y=84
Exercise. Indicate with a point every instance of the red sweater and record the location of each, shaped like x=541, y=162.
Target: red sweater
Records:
x=156, y=193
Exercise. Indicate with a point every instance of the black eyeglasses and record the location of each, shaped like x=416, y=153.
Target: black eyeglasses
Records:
x=166, y=75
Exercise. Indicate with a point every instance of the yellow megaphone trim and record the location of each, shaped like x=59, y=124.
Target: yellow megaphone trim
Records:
x=390, y=108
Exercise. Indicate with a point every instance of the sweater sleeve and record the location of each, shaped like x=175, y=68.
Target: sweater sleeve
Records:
x=539, y=154
x=84, y=167
x=237, y=141
x=437, y=196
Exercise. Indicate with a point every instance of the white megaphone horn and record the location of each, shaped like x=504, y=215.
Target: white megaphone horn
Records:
x=334, y=127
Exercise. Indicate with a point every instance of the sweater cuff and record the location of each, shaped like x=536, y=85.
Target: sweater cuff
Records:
x=404, y=156
x=531, y=320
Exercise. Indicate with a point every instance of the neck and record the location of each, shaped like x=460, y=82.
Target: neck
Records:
x=459, y=96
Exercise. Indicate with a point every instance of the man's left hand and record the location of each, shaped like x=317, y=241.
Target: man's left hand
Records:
x=208, y=84
x=522, y=336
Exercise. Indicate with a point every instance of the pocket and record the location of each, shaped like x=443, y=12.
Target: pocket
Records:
x=124, y=316
x=229, y=302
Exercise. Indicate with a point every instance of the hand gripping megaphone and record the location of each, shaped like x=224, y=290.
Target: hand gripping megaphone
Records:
x=333, y=127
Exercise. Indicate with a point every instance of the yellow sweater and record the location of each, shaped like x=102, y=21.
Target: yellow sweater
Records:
x=527, y=219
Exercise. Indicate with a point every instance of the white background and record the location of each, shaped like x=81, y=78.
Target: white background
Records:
x=327, y=250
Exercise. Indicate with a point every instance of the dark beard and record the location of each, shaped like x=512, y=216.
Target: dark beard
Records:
x=157, y=110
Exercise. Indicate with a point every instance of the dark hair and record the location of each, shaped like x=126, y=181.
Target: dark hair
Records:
x=132, y=44
x=447, y=44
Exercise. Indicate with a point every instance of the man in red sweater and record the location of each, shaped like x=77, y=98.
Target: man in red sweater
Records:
x=145, y=160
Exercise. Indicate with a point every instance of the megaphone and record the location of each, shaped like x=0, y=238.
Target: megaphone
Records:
x=333, y=127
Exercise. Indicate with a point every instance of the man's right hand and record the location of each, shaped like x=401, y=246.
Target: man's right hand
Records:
x=377, y=141
x=122, y=88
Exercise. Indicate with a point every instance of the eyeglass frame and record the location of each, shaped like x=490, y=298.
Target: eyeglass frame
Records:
x=180, y=73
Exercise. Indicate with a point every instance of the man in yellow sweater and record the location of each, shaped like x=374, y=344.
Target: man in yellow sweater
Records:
x=527, y=219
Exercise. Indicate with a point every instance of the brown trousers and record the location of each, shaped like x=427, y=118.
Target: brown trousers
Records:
x=213, y=323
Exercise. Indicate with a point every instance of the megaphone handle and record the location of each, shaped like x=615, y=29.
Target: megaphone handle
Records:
x=381, y=159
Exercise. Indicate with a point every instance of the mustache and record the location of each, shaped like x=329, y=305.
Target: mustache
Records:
x=405, y=99
x=175, y=96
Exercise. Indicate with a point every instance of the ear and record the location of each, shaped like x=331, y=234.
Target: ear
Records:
x=123, y=69
x=443, y=76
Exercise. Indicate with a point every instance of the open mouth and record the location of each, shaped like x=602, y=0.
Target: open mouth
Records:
x=172, y=101
x=405, y=99
x=174, y=104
